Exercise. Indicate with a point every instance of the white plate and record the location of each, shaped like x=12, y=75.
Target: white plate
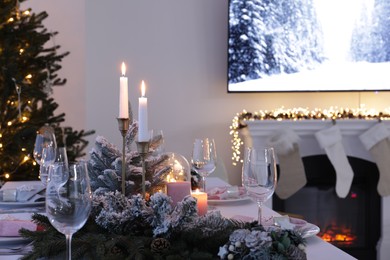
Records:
x=10, y=241
x=18, y=204
x=227, y=201
x=308, y=230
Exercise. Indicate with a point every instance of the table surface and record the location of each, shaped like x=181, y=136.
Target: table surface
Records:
x=316, y=248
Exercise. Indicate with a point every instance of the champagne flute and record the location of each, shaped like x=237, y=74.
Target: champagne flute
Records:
x=204, y=158
x=68, y=199
x=259, y=175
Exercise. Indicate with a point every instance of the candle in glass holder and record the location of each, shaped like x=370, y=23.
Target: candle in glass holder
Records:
x=177, y=190
x=201, y=201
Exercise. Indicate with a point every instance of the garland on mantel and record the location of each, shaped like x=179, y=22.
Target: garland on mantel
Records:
x=296, y=114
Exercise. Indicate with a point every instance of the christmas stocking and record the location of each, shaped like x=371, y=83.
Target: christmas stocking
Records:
x=292, y=173
x=330, y=139
x=376, y=141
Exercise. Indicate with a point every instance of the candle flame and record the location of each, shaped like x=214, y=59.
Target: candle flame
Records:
x=143, y=88
x=123, y=69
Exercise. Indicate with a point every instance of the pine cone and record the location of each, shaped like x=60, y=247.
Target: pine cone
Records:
x=159, y=245
x=294, y=253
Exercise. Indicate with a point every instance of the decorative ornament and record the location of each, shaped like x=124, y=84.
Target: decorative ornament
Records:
x=48, y=87
x=180, y=169
x=18, y=91
x=159, y=245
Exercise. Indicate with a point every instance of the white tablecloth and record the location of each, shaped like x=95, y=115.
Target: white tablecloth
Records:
x=316, y=248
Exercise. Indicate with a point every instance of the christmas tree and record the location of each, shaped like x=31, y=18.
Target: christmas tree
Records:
x=28, y=72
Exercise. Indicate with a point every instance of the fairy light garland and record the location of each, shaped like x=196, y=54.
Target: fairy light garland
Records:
x=297, y=114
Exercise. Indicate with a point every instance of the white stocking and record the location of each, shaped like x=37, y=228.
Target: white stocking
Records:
x=376, y=141
x=292, y=172
x=331, y=140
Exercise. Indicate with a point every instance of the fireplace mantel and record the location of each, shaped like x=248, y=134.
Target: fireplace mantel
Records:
x=258, y=131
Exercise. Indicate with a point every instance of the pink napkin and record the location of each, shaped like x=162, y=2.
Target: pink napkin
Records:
x=226, y=192
x=10, y=228
x=298, y=222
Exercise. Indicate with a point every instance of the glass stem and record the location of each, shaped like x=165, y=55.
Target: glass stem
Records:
x=204, y=183
x=259, y=212
x=68, y=246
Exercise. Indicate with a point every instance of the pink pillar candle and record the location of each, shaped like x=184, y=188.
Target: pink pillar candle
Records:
x=201, y=201
x=178, y=190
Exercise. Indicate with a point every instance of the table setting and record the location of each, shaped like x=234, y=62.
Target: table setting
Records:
x=140, y=202
x=19, y=200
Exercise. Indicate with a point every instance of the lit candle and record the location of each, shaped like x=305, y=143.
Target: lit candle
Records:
x=143, y=132
x=201, y=201
x=123, y=95
x=177, y=190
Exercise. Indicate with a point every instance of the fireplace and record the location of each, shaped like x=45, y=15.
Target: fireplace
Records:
x=352, y=223
x=317, y=165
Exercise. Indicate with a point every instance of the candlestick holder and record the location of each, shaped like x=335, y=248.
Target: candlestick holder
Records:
x=143, y=148
x=123, y=124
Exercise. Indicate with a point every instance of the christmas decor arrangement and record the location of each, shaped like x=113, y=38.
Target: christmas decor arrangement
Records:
x=292, y=178
x=128, y=226
x=297, y=114
x=27, y=76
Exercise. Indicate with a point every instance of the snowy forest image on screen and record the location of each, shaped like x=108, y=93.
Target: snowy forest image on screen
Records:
x=308, y=45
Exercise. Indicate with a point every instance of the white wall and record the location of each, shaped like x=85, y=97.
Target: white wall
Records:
x=179, y=49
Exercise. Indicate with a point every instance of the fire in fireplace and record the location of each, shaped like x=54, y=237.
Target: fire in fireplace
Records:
x=352, y=223
x=341, y=236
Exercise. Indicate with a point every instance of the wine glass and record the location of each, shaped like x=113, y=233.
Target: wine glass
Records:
x=68, y=198
x=259, y=175
x=204, y=158
x=45, y=138
x=157, y=140
x=49, y=156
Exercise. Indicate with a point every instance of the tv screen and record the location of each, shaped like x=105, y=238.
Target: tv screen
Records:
x=308, y=45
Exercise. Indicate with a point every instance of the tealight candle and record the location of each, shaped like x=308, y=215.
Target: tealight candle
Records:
x=123, y=94
x=201, y=201
x=143, y=133
x=177, y=190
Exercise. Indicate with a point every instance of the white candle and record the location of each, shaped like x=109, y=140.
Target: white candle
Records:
x=123, y=95
x=143, y=132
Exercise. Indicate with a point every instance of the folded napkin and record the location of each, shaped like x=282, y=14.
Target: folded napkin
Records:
x=226, y=192
x=22, y=193
x=11, y=227
x=286, y=222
